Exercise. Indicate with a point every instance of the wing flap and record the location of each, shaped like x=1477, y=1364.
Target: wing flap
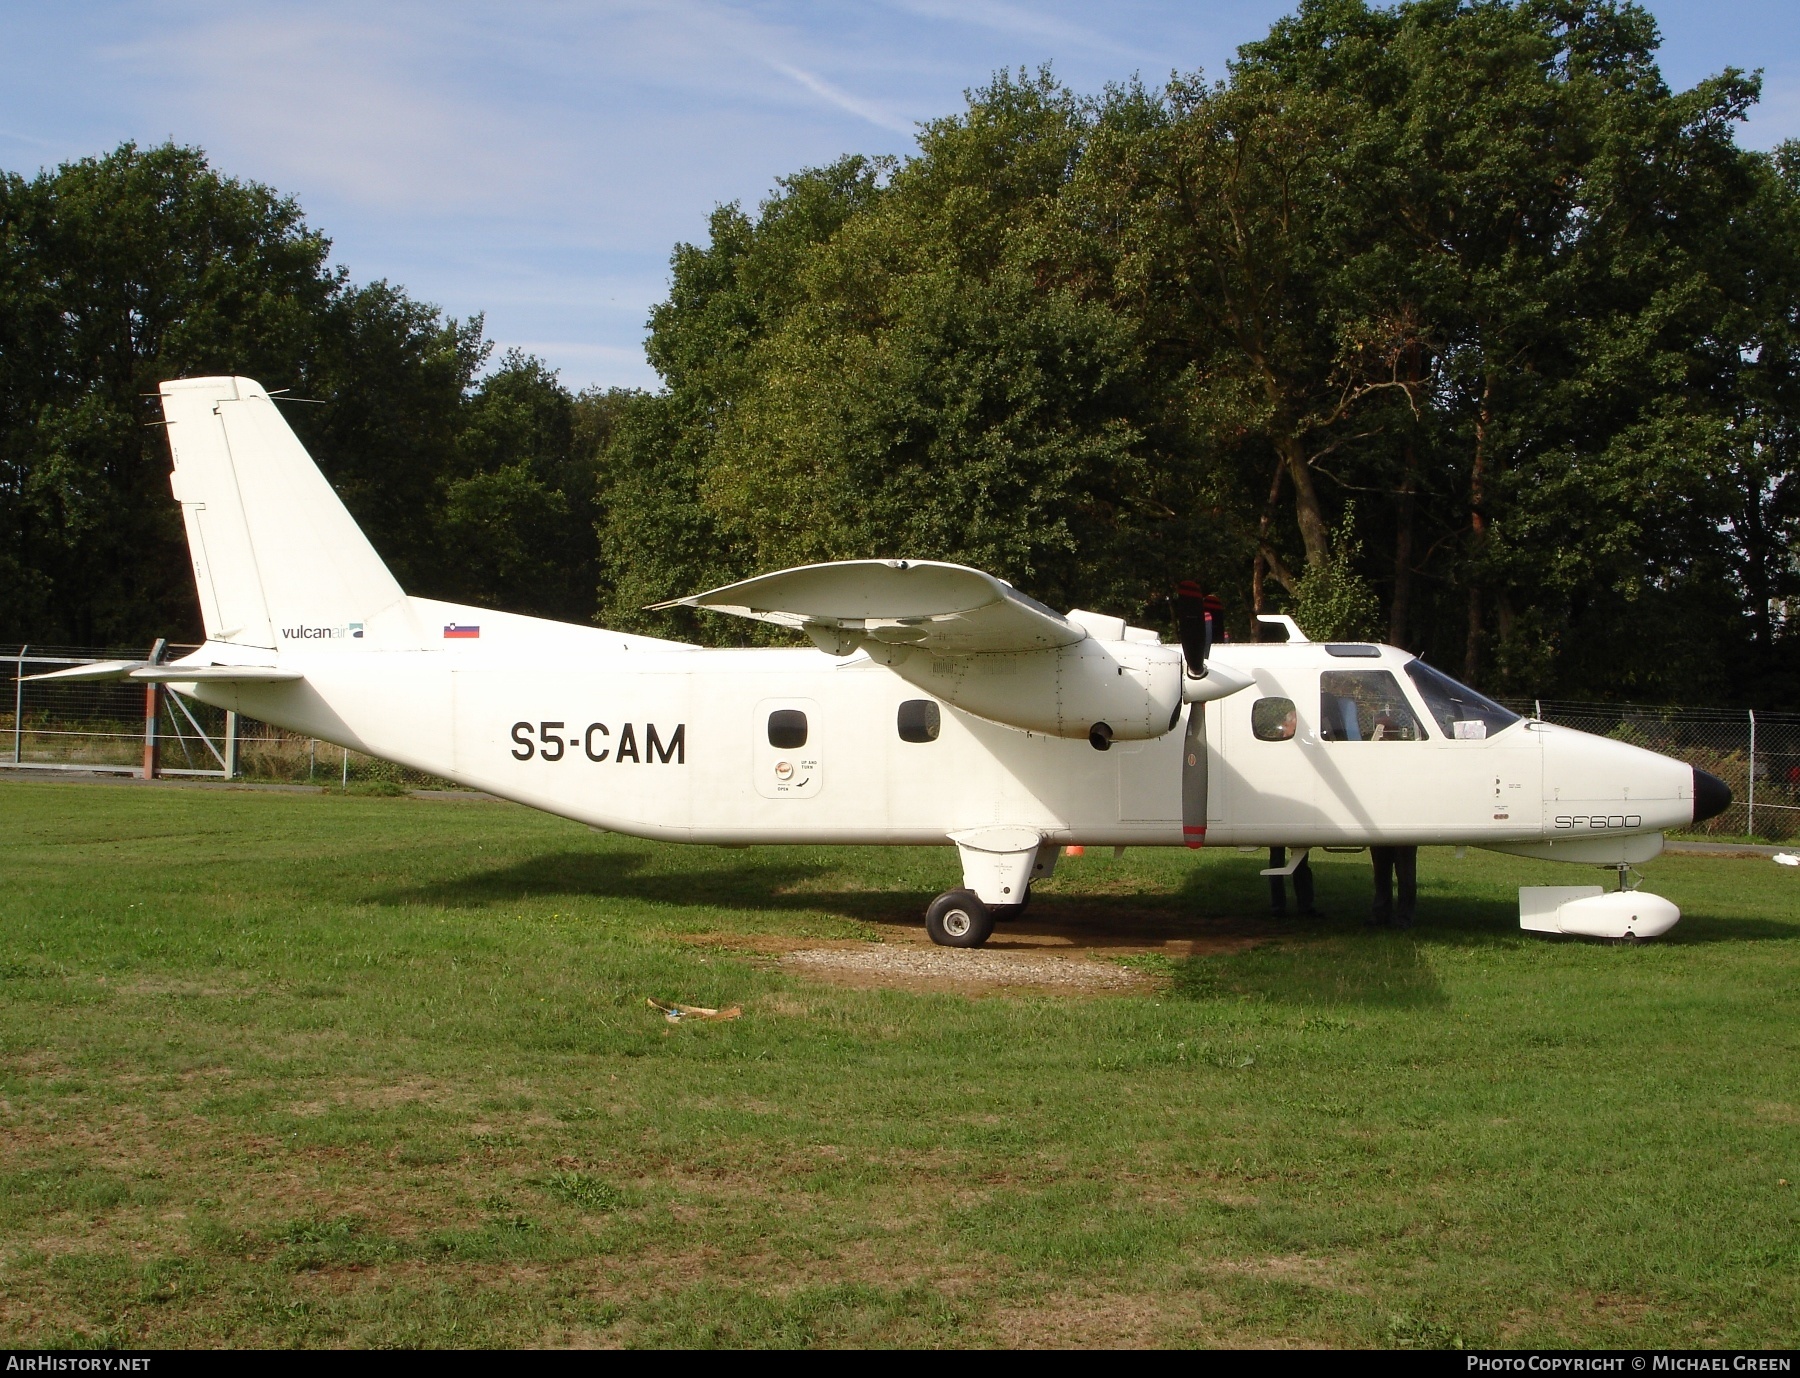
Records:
x=946, y=609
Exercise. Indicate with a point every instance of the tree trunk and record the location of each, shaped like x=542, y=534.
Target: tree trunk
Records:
x=1477, y=535
x=1401, y=608
x=1260, y=565
x=1256, y=595
x=1314, y=535
x=1753, y=537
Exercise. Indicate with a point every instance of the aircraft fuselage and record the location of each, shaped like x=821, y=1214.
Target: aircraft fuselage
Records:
x=704, y=745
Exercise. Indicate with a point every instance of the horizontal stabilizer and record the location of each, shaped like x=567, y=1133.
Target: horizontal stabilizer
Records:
x=946, y=609
x=143, y=672
x=214, y=674
x=99, y=672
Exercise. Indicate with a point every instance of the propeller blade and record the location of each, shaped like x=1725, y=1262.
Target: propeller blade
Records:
x=1192, y=626
x=1193, y=778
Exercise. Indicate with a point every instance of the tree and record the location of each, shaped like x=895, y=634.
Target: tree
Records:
x=117, y=273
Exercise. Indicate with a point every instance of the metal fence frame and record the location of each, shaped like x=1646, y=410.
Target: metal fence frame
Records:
x=90, y=727
x=149, y=728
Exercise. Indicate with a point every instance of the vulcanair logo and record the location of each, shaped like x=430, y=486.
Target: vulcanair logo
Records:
x=351, y=630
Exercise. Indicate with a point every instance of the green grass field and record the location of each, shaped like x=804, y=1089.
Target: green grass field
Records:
x=289, y=1069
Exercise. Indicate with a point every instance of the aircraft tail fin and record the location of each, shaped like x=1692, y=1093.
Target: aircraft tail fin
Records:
x=276, y=554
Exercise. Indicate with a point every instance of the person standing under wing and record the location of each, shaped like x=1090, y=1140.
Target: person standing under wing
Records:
x=1388, y=860
x=1303, y=885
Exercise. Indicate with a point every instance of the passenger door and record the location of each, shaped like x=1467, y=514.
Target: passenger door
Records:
x=1263, y=779
x=786, y=760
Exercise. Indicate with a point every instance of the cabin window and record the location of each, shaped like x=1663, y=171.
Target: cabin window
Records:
x=919, y=720
x=1365, y=706
x=1273, y=720
x=1459, y=710
x=787, y=728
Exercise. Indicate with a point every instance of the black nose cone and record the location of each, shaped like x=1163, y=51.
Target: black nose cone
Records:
x=1712, y=796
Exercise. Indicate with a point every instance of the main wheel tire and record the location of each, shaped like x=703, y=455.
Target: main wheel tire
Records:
x=958, y=918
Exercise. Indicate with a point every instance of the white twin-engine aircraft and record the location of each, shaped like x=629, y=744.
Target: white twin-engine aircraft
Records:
x=940, y=706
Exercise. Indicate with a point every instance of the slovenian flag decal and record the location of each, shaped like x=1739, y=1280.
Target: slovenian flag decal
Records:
x=458, y=633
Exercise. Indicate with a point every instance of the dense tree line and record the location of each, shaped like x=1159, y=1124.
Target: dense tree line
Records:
x=1448, y=323
x=119, y=272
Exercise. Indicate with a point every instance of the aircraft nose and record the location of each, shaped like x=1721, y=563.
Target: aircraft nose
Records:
x=1712, y=796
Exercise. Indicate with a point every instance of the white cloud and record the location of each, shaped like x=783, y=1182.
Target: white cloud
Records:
x=1037, y=23
x=862, y=109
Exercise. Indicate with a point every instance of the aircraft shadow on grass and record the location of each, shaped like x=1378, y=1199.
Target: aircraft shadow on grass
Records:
x=1216, y=927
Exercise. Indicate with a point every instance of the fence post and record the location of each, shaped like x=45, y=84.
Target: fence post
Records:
x=152, y=711
x=1750, y=825
x=1537, y=708
x=19, y=705
x=346, y=770
x=231, y=731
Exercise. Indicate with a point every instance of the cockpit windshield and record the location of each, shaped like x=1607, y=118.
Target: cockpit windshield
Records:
x=1459, y=710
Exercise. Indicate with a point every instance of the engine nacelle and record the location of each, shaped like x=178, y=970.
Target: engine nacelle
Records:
x=1126, y=691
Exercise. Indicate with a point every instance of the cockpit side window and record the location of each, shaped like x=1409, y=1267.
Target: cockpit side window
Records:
x=1459, y=710
x=1365, y=706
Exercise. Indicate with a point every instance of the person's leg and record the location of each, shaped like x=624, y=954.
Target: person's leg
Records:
x=1277, y=888
x=1383, y=857
x=1406, y=862
x=1303, y=886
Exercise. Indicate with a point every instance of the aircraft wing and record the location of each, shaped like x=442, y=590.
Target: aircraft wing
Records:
x=143, y=672
x=947, y=609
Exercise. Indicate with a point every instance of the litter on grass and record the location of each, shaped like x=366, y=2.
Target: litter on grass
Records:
x=1786, y=859
x=676, y=1013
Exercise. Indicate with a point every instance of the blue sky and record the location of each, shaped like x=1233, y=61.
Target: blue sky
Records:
x=537, y=161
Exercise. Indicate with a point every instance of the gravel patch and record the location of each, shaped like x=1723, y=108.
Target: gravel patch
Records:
x=966, y=965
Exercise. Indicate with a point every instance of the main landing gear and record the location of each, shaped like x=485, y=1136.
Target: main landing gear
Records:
x=999, y=863
x=958, y=918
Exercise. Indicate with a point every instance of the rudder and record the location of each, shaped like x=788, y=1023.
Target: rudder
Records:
x=275, y=552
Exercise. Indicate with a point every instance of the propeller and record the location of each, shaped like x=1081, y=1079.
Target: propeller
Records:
x=1199, y=619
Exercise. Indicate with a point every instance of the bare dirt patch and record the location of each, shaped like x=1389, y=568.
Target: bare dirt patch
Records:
x=1064, y=927
x=1062, y=945
x=885, y=964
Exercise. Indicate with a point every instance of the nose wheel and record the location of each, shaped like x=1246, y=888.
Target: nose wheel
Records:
x=958, y=918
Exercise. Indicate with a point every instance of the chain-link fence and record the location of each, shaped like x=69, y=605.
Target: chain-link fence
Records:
x=118, y=727
x=108, y=726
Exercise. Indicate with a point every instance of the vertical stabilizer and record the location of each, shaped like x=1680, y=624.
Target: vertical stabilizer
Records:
x=276, y=555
